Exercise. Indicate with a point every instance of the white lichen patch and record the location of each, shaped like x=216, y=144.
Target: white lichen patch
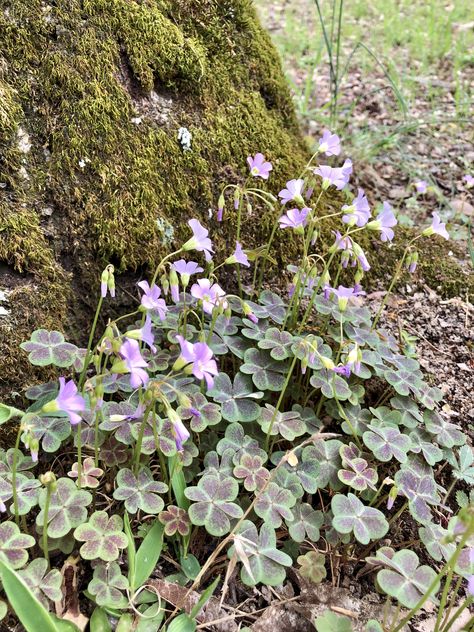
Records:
x=24, y=144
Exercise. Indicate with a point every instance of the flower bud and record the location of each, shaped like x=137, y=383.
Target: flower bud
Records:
x=249, y=313
x=392, y=496
x=314, y=236
x=165, y=285
x=184, y=400
x=107, y=282
x=220, y=207
x=359, y=275
x=326, y=362
x=375, y=224
x=174, y=284
x=48, y=479
x=236, y=198
x=413, y=263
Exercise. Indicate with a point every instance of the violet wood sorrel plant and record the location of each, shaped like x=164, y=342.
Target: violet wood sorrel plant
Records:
x=255, y=416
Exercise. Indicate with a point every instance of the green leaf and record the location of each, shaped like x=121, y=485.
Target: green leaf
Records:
x=190, y=566
x=103, y=537
x=48, y=347
x=332, y=622
x=99, y=622
x=32, y=615
x=204, y=598
x=148, y=554
x=7, y=412
x=182, y=623
x=313, y=566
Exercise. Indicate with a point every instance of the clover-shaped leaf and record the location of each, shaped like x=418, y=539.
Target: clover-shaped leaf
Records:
x=221, y=468
x=386, y=443
x=403, y=381
x=89, y=474
x=269, y=305
x=331, y=622
x=326, y=455
x=289, y=425
x=201, y=412
x=422, y=443
x=409, y=410
x=237, y=399
x=312, y=566
x=23, y=463
x=277, y=342
x=251, y=469
x=67, y=508
x=50, y=431
x=267, y=373
x=417, y=484
x=112, y=452
x=48, y=347
x=255, y=331
x=235, y=439
x=305, y=524
x=350, y=514
x=26, y=492
x=405, y=580
x=107, y=584
x=103, y=537
x=434, y=538
x=358, y=475
x=139, y=492
x=176, y=520
x=332, y=386
x=213, y=504
x=45, y=584
x=274, y=504
x=447, y=434
x=464, y=469
x=13, y=545
x=262, y=561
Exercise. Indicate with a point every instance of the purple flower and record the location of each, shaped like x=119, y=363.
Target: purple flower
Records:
x=147, y=335
x=344, y=294
x=204, y=365
x=352, y=251
x=335, y=176
x=239, y=256
x=181, y=434
x=470, y=585
x=185, y=269
x=210, y=295
x=200, y=356
x=68, y=401
x=130, y=352
x=437, y=228
x=469, y=180
x=107, y=282
x=293, y=191
x=358, y=212
x=384, y=223
x=294, y=218
x=329, y=144
x=344, y=369
x=200, y=240
x=151, y=299
x=259, y=168
x=421, y=186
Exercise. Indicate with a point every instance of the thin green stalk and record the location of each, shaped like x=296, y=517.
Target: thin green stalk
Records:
x=280, y=400
x=79, y=454
x=469, y=625
x=450, y=564
x=14, y=468
x=315, y=292
x=87, y=359
x=47, y=502
x=138, y=445
x=452, y=599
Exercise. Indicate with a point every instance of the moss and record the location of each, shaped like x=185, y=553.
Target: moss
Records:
x=74, y=76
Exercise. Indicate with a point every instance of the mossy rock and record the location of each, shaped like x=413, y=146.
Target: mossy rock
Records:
x=92, y=95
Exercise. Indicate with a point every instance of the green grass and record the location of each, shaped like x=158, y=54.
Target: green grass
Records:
x=415, y=40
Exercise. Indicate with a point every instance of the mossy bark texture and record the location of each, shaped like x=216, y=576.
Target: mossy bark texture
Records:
x=92, y=95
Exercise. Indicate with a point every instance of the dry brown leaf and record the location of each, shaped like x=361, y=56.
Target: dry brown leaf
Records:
x=462, y=206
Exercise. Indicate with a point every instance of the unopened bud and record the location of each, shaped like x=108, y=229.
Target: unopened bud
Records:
x=236, y=198
x=174, y=284
x=165, y=285
x=48, y=479
x=107, y=282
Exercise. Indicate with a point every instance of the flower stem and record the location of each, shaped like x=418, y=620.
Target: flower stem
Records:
x=87, y=359
x=14, y=469
x=79, y=455
x=138, y=446
x=280, y=400
x=49, y=490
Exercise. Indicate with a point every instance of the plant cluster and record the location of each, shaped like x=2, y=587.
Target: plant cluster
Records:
x=289, y=428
